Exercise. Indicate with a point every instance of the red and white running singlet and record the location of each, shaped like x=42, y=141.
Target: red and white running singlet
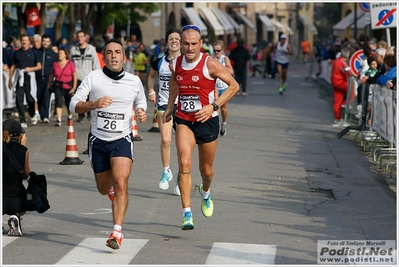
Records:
x=195, y=89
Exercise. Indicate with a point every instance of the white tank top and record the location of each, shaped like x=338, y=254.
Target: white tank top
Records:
x=220, y=85
x=280, y=56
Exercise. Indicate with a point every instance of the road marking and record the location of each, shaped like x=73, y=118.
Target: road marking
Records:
x=8, y=239
x=94, y=251
x=237, y=253
x=98, y=211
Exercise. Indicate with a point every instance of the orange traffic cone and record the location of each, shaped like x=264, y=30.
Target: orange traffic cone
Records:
x=155, y=126
x=135, y=130
x=71, y=154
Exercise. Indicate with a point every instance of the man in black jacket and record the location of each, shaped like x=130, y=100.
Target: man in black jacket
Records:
x=240, y=56
x=46, y=57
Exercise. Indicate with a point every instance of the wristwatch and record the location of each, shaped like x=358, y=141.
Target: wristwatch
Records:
x=215, y=107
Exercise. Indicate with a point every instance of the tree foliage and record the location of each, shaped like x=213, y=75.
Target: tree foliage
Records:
x=97, y=14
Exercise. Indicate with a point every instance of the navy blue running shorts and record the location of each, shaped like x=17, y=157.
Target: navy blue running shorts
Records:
x=100, y=151
x=204, y=132
x=284, y=65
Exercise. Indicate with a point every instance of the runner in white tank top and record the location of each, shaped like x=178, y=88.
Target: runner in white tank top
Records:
x=160, y=66
x=218, y=48
x=283, y=49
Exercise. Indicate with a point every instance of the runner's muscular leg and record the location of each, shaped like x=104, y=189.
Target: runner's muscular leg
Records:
x=185, y=143
x=120, y=168
x=280, y=75
x=206, y=154
x=165, y=129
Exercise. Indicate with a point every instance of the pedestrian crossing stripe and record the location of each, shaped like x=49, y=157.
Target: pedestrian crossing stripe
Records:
x=94, y=251
x=237, y=253
x=8, y=239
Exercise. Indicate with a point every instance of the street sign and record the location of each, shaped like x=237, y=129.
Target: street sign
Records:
x=355, y=61
x=383, y=15
x=365, y=7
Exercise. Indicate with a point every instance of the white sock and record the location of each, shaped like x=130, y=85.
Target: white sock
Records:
x=117, y=227
x=166, y=169
x=186, y=210
x=69, y=116
x=224, y=123
x=37, y=112
x=204, y=194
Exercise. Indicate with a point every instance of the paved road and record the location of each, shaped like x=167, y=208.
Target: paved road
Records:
x=282, y=182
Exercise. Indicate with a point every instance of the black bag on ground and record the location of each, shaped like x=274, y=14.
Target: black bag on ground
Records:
x=37, y=188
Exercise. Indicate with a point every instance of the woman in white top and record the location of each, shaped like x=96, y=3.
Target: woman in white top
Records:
x=160, y=66
x=283, y=49
x=218, y=48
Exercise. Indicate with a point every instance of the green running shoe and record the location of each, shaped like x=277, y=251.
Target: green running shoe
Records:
x=206, y=205
x=281, y=90
x=284, y=86
x=187, y=221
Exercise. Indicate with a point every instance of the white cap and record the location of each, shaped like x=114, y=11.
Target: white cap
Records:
x=283, y=36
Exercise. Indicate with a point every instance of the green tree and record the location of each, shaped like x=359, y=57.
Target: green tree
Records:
x=100, y=15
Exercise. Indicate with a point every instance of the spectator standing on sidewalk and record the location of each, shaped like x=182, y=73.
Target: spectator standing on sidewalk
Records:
x=84, y=56
x=25, y=64
x=256, y=60
x=283, y=50
x=240, y=56
x=47, y=57
x=339, y=81
x=64, y=74
x=218, y=48
x=112, y=93
x=379, y=55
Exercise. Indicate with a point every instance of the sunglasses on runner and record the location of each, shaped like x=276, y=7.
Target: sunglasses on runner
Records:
x=217, y=51
x=194, y=27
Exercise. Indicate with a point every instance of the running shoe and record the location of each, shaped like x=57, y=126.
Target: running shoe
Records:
x=281, y=90
x=115, y=240
x=35, y=119
x=223, y=130
x=165, y=179
x=58, y=123
x=46, y=120
x=284, y=85
x=244, y=94
x=14, y=224
x=206, y=205
x=24, y=125
x=176, y=190
x=111, y=194
x=187, y=221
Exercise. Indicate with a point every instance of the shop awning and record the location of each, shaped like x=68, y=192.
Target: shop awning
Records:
x=267, y=22
x=246, y=21
x=340, y=28
x=193, y=17
x=360, y=23
x=280, y=27
x=306, y=22
x=207, y=14
x=237, y=27
x=221, y=16
x=287, y=28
